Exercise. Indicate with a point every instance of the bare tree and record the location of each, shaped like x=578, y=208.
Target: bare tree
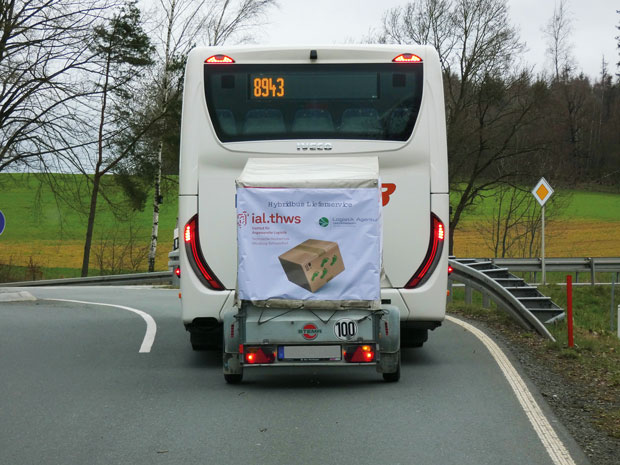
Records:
x=515, y=224
x=618, y=39
x=120, y=50
x=43, y=49
x=230, y=19
x=572, y=94
x=488, y=101
x=186, y=22
x=558, y=31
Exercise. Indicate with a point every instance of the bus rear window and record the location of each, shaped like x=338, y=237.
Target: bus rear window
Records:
x=352, y=101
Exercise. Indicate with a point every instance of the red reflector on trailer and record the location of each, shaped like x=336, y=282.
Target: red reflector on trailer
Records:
x=407, y=58
x=258, y=355
x=215, y=59
x=359, y=354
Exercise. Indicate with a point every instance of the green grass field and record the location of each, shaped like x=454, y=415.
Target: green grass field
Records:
x=48, y=231
x=576, y=205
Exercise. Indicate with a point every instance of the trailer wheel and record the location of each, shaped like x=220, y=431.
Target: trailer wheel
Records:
x=233, y=379
x=395, y=376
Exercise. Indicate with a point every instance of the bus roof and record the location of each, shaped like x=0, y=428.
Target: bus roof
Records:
x=375, y=53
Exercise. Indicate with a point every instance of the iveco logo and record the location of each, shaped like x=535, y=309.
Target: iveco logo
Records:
x=314, y=146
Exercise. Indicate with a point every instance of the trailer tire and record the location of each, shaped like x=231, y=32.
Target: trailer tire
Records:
x=233, y=379
x=395, y=376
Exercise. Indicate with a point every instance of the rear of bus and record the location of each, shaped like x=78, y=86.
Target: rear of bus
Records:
x=380, y=100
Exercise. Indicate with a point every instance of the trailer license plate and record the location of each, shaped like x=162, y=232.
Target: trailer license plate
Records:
x=309, y=353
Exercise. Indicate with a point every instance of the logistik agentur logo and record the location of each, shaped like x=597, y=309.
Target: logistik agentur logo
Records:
x=324, y=222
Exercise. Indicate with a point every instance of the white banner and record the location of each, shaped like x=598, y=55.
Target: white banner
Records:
x=309, y=244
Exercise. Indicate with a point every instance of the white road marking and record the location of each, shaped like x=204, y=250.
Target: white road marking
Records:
x=552, y=443
x=151, y=327
x=20, y=296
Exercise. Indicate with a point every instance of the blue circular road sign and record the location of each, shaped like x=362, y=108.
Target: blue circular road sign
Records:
x=2, y=222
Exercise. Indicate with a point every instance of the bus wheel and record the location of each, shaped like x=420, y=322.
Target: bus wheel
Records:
x=395, y=376
x=233, y=379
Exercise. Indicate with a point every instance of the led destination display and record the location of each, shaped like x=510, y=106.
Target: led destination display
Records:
x=321, y=86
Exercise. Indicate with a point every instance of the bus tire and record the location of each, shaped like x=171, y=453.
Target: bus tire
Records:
x=413, y=337
x=201, y=341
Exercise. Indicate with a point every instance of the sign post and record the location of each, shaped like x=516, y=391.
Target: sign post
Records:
x=542, y=192
x=569, y=309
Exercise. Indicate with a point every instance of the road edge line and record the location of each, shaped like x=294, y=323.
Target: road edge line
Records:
x=552, y=443
x=151, y=326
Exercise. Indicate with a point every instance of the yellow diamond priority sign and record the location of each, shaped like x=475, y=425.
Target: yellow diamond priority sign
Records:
x=542, y=192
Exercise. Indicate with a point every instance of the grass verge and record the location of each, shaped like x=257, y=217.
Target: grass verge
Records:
x=592, y=366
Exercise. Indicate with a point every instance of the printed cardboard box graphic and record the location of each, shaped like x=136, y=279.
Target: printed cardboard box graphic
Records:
x=312, y=264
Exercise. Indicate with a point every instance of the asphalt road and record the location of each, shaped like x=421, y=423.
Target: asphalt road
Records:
x=74, y=389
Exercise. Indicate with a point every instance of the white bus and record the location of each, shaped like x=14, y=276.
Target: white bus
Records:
x=353, y=100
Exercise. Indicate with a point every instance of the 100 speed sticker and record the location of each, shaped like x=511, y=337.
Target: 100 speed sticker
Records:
x=345, y=329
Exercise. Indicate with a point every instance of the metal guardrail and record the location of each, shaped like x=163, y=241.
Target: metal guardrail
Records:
x=592, y=264
x=157, y=277
x=485, y=284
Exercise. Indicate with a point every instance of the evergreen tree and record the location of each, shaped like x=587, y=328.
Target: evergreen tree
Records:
x=121, y=49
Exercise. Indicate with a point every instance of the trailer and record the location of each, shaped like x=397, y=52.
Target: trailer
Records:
x=309, y=241
x=271, y=337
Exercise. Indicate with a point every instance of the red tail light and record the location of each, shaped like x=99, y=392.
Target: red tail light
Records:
x=407, y=58
x=433, y=254
x=196, y=258
x=450, y=269
x=177, y=271
x=255, y=356
x=219, y=59
x=359, y=354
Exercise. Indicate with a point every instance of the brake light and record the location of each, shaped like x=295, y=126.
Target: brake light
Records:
x=450, y=269
x=359, y=354
x=196, y=258
x=433, y=254
x=177, y=271
x=219, y=59
x=407, y=58
x=255, y=356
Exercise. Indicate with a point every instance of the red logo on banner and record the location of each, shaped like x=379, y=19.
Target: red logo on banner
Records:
x=387, y=189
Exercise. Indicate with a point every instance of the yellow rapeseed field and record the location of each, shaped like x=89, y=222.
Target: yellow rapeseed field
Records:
x=576, y=238
x=68, y=254
x=565, y=238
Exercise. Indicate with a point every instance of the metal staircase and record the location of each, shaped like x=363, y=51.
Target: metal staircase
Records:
x=524, y=302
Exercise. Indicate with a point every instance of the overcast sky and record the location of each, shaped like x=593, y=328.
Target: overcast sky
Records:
x=317, y=22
